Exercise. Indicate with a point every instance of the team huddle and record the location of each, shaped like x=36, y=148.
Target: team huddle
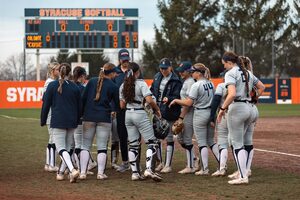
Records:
x=118, y=104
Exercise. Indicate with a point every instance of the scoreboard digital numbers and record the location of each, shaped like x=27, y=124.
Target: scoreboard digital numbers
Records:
x=81, y=28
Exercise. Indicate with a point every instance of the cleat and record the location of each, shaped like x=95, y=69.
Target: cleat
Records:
x=221, y=172
x=52, y=169
x=137, y=177
x=92, y=165
x=101, y=176
x=234, y=175
x=166, y=169
x=60, y=177
x=196, y=163
x=202, y=172
x=114, y=165
x=159, y=167
x=46, y=168
x=82, y=176
x=239, y=181
x=150, y=174
x=74, y=175
x=90, y=173
x=187, y=170
x=123, y=167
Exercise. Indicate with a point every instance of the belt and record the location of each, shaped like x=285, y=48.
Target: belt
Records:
x=244, y=101
x=132, y=109
x=203, y=108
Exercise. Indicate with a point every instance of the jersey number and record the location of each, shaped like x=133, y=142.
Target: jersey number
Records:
x=207, y=87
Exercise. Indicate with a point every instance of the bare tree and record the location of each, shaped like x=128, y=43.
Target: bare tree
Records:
x=13, y=67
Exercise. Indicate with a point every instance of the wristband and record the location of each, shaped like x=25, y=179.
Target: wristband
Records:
x=222, y=108
x=180, y=118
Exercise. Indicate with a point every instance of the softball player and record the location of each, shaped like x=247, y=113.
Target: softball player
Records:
x=200, y=96
x=221, y=129
x=79, y=76
x=248, y=137
x=124, y=59
x=166, y=86
x=64, y=99
x=114, y=143
x=97, y=98
x=239, y=82
x=53, y=74
x=132, y=93
x=185, y=138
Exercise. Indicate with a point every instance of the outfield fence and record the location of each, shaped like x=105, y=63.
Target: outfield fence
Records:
x=28, y=94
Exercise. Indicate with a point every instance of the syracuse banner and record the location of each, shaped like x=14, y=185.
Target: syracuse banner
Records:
x=26, y=94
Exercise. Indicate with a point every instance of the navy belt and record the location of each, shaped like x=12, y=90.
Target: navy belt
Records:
x=203, y=108
x=132, y=109
x=243, y=101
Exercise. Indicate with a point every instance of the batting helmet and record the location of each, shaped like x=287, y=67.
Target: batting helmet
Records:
x=161, y=127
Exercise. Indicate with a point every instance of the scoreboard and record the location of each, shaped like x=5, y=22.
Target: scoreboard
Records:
x=81, y=28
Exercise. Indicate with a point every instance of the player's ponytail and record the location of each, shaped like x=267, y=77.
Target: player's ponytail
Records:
x=203, y=70
x=107, y=67
x=242, y=66
x=64, y=71
x=129, y=82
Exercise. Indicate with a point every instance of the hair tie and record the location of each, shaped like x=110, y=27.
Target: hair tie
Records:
x=129, y=73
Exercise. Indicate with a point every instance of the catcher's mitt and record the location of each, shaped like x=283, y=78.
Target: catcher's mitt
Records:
x=177, y=127
x=254, y=95
x=161, y=127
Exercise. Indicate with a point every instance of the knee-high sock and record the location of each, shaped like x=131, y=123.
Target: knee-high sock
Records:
x=84, y=161
x=65, y=156
x=133, y=154
x=76, y=155
x=48, y=154
x=189, y=155
x=249, y=152
x=101, y=160
x=169, y=153
x=204, y=157
x=241, y=159
x=62, y=167
x=114, y=152
x=223, y=156
x=215, y=150
x=159, y=152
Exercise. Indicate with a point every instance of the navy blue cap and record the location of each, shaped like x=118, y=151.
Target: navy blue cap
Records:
x=165, y=63
x=124, y=54
x=115, y=69
x=184, y=66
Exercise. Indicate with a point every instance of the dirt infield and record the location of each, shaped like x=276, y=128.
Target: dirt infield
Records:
x=279, y=135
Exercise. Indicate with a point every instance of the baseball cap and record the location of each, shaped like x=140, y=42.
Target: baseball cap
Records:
x=184, y=66
x=164, y=63
x=124, y=54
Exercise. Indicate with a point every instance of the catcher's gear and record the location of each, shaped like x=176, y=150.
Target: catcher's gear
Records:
x=177, y=127
x=161, y=127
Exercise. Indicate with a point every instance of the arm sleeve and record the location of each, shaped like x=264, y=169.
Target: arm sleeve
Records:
x=214, y=106
x=193, y=94
x=145, y=89
x=230, y=78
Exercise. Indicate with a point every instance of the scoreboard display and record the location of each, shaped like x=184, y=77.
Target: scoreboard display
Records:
x=81, y=28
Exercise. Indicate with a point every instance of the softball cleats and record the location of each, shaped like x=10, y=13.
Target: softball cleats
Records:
x=150, y=174
x=202, y=172
x=101, y=176
x=187, y=170
x=239, y=181
x=74, y=175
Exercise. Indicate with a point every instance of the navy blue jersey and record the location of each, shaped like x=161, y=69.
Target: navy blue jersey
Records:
x=100, y=111
x=65, y=107
x=81, y=87
x=120, y=78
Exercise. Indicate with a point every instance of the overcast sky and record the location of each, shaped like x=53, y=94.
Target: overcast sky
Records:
x=12, y=19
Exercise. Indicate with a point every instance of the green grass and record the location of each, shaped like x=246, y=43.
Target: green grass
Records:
x=276, y=110
x=22, y=156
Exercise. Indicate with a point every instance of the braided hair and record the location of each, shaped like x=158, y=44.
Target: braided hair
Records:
x=203, y=70
x=129, y=82
x=106, y=66
x=64, y=71
x=232, y=57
